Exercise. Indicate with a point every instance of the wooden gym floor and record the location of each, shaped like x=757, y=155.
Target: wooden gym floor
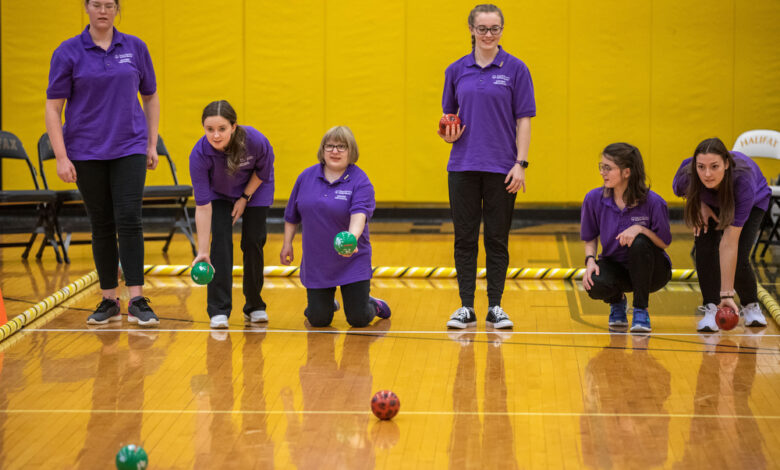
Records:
x=557, y=391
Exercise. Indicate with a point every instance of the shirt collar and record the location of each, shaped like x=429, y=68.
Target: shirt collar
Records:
x=498, y=60
x=86, y=39
x=344, y=177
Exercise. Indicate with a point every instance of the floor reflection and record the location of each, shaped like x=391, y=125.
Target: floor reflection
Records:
x=494, y=446
x=620, y=383
x=723, y=387
x=338, y=440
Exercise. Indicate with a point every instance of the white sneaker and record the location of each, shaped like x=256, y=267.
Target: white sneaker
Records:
x=257, y=316
x=753, y=316
x=708, y=323
x=219, y=321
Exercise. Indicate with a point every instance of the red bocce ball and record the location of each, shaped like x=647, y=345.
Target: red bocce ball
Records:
x=448, y=120
x=385, y=404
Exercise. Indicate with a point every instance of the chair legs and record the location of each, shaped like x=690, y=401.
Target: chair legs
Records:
x=773, y=227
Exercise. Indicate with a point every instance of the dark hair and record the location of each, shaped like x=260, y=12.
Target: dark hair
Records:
x=725, y=190
x=483, y=8
x=341, y=134
x=236, y=148
x=627, y=156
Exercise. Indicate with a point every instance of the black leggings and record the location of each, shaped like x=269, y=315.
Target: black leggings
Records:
x=358, y=306
x=113, y=192
x=648, y=270
x=708, y=261
x=477, y=196
x=219, y=296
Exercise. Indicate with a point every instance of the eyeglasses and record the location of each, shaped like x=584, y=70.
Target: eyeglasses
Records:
x=604, y=168
x=335, y=148
x=483, y=30
x=100, y=6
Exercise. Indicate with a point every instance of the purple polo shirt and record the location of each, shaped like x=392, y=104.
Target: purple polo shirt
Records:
x=750, y=187
x=211, y=180
x=323, y=209
x=602, y=218
x=489, y=102
x=103, y=118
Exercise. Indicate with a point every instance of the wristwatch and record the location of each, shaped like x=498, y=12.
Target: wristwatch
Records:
x=246, y=196
x=587, y=257
x=522, y=163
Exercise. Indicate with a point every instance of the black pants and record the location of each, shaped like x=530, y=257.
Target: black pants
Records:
x=475, y=197
x=253, y=235
x=113, y=192
x=708, y=261
x=358, y=306
x=648, y=270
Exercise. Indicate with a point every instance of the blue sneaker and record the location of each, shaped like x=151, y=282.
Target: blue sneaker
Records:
x=617, y=313
x=382, y=309
x=641, y=321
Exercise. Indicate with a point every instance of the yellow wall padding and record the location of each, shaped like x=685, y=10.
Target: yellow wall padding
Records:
x=660, y=74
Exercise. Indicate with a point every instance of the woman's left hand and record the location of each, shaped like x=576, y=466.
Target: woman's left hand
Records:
x=151, y=158
x=627, y=236
x=515, y=179
x=729, y=303
x=238, y=209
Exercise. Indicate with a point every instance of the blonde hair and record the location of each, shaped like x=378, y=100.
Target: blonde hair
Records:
x=343, y=135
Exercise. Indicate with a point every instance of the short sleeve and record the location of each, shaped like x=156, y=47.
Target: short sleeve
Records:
x=291, y=213
x=363, y=199
x=589, y=226
x=60, y=75
x=523, y=101
x=682, y=178
x=199, y=174
x=659, y=220
x=148, y=83
x=744, y=195
x=449, y=100
x=264, y=163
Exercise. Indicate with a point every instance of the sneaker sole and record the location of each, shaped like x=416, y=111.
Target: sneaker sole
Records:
x=92, y=321
x=708, y=329
x=755, y=324
x=501, y=325
x=152, y=322
x=220, y=326
x=640, y=329
x=459, y=325
x=618, y=323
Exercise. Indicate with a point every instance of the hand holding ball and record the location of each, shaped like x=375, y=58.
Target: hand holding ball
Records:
x=202, y=273
x=448, y=120
x=726, y=318
x=345, y=243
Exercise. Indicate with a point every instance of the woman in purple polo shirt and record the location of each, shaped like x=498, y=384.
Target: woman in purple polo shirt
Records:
x=232, y=171
x=726, y=196
x=330, y=197
x=493, y=94
x=105, y=147
x=632, y=223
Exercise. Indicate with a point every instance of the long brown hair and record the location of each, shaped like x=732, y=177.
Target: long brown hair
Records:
x=627, y=156
x=725, y=189
x=483, y=8
x=236, y=148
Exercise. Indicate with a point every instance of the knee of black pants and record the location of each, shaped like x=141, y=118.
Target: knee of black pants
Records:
x=359, y=322
x=128, y=219
x=601, y=290
x=103, y=229
x=318, y=319
x=707, y=244
x=640, y=249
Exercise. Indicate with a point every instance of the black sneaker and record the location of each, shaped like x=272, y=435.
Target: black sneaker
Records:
x=106, y=311
x=498, y=318
x=462, y=318
x=139, y=311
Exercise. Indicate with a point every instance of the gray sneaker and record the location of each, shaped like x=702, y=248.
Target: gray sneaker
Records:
x=106, y=311
x=258, y=316
x=139, y=311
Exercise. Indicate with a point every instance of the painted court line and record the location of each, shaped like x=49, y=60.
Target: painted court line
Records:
x=384, y=332
x=405, y=413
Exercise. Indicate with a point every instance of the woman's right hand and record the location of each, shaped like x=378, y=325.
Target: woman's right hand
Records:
x=452, y=133
x=706, y=214
x=286, y=256
x=590, y=268
x=65, y=170
x=202, y=257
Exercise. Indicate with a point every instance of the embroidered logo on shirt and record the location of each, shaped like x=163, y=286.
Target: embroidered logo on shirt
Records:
x=125, y=58
x=500, y=79
x=341, y=194
x=640, y=219
x=246, y=161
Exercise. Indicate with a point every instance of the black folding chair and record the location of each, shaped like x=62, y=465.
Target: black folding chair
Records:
x=41, y=200
x=175, y=195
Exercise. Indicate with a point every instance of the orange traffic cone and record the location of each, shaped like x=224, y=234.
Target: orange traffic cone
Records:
x=3, y=316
